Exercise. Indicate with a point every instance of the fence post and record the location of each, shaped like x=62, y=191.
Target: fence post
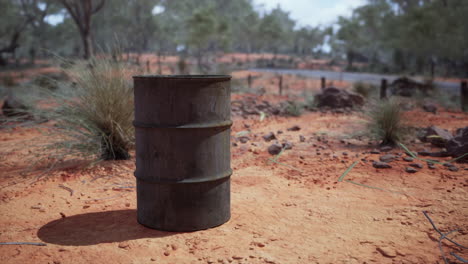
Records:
x=148, y=69
x=280, y=84
x=323, y=82
x=464, y=96
x=249, y=81
x=383, y=89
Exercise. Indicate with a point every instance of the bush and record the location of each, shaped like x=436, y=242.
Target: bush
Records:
x=293, y=108
x=95, y=112
x=386, y=122
x=364, y=89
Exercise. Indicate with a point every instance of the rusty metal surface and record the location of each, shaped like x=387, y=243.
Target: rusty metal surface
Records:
x=182, y=126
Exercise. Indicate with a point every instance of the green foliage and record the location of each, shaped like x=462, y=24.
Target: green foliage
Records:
x=294, y=108
x=386, y=122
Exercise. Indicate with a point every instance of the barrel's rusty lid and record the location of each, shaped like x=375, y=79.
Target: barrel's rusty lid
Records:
x=185, y=77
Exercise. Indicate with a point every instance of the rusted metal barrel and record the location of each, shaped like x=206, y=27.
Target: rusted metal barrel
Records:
x=182, y=129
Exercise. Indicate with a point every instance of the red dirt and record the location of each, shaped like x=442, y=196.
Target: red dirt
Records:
x=293, y=213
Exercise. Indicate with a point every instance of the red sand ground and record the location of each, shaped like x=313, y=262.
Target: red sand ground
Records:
x=297, y=213
x=293, y=212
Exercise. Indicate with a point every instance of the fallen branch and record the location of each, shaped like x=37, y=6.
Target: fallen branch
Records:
x=67, y=188
x=23, y=243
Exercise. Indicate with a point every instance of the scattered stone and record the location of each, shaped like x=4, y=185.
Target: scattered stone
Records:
x=381, y=165
x=405, y=86
x=439, y=154
x=387, y=251
x=345, y=153
x=411, y=170
x=338, y=98
x=268, y=137
x=279, y=132
x=408, y=159
x=294, y=128
x=453, y=168
x=416, y=165
x=124, y=245
x=436, y=136
x=302, y=138
x=243, y=139
x=234, y=144
x=275, y=149
x=388, y=158
x=375, y=151
x=386, y=148
x=424, y=153
x=431, y=166
x=237, y=257
x=430, y=107
x=458, y=145
x=287, y=145
x=447, y=164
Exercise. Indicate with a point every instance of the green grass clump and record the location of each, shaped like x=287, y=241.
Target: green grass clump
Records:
x=92, y=114
x=386, y=122
x=293, y=108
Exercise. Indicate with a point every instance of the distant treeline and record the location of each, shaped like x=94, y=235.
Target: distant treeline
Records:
x=411, y=36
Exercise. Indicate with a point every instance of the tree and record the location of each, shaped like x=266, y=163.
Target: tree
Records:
x=81, y=12
x=13, y=26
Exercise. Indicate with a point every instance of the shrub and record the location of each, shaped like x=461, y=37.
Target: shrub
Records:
x=293, y=108
x=386, y=122
x=94, y=113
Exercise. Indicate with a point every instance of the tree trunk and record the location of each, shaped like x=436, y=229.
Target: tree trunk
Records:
x=87, y=44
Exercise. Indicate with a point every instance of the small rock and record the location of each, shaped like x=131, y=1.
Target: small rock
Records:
x=294, y=128
x=237, y=257
x=279, y=132
x=408, y=159
x=243, y=139
x=62, y=215
x=166, y=253
x=416, y=165
x=124, y=245
x=431, y=166
x=234, y=144
x=453, y=168
x=381, y=165
x=430, y=107
x=345, y=153
x=411, y=170
x=375, y=151
x=386, y=148
x=268, y=137
x=302, y=138
x=287, y=145
x=424, y=153
x=388, y=158
x=448, y=165
x=152, y=259
x=275, y=149
x=387, y=251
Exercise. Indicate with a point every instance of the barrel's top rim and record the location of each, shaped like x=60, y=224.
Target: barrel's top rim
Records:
x=185, y=77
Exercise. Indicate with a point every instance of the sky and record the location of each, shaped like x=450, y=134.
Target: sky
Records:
x=313, y=12
x=305, y=12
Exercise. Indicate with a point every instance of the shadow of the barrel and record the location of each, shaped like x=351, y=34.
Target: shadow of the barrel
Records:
x=96, y=228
